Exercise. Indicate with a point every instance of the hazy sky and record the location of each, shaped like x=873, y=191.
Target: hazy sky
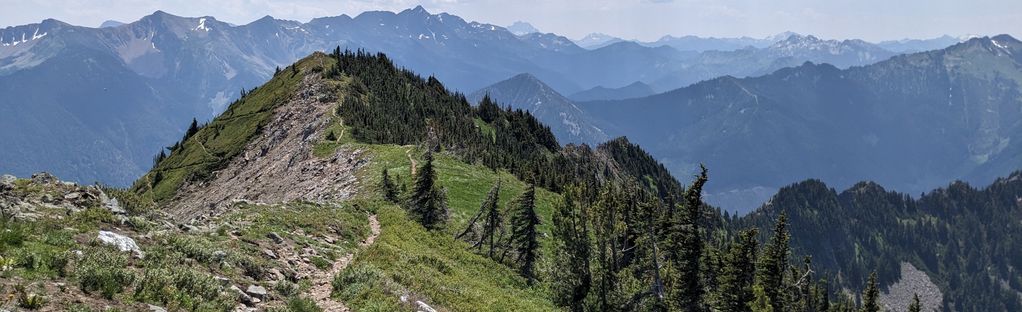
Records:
x=633, y=19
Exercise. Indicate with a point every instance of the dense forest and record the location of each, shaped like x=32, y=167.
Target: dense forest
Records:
x=967, y=239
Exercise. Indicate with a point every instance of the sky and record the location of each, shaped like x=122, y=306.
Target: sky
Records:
x=631, y=19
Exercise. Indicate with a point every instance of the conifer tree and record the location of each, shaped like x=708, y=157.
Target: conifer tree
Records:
x=688, y=246
x=428, y=205
x=192, y=129
x=572, y=278
x=773, y=264
x=915, y=306
x=389, y=189
x=761, y=301
x=738, y=274
x=524, y=235
x=871, y=295
x=487, y=225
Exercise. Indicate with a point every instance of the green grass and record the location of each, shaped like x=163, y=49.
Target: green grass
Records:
x=486, y=128
x=433, y=266
x=227, y=135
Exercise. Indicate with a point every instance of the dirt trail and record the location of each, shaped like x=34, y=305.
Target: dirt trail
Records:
x=321, y=287
x=415, y=164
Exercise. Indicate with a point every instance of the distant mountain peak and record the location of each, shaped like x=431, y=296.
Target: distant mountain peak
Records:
x=110, y=24
x=521, y=28
x=416, y=11
x=597, y=40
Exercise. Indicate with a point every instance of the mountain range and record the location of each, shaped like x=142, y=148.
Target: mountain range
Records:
x=912, y=123
x=124, y=92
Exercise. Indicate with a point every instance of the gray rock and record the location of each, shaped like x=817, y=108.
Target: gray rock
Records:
x=111, y=204
x=257, y=291
x=44, y=178
x=243, y=297
x=123, y=243
x=275, y=237
x=222, y=280
x=72, y=196
x=7, y=182
x=269, y=254
x=153, y=308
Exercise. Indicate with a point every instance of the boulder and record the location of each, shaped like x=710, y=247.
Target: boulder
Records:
x=123, y=243
x=257, y=291
x=153, y=308
x=243, y=297
x=7, y=182
x=111, y=204
x=44, y=178
x=269, y=254
x=275, y=237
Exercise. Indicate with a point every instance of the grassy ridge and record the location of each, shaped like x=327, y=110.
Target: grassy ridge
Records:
x=433, y=267
x=227, y=135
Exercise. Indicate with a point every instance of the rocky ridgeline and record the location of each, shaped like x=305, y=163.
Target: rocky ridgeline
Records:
x=29, y=198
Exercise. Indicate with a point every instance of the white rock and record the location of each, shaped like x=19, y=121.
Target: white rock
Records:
x=123, y=243
x=424, y=307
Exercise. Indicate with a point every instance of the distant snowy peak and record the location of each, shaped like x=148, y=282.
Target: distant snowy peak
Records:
x=521, y=28
x=21, y=35
x=796, y=44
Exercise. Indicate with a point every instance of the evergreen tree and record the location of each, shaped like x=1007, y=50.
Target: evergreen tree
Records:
x=192, y=129
x=488, y=110
x=487, y=225
x=428, y=204
x=915, y=306
x=738, y=274
x=389, y=189
x=572, y=279
x=822, y=297
x=773, y=264
x=330, y=136
x=761, y=301
x=871, y=295
x=524, y=236
x=687, y=241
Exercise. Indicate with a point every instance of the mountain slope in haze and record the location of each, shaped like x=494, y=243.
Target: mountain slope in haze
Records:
x=634, y=90
x=791, y=51
x=524, y=91
x=965, y=239
x=919, y=45
x=913, y=122
x=597, y=40
x=520, y=28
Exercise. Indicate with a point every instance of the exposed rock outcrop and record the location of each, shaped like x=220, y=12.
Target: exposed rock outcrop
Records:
x=278, y=165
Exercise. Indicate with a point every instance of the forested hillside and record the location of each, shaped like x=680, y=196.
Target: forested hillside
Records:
x=966, y=239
